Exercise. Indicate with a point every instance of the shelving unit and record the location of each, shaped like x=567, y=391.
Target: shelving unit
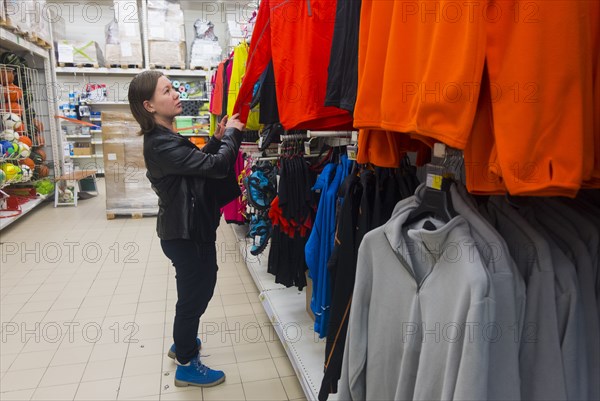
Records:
x=128, y=71
x=42, y=61
x=25, y=208
x=286, y=308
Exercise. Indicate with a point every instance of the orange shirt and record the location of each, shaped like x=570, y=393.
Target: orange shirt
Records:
x=419, y=68
x=540, y=68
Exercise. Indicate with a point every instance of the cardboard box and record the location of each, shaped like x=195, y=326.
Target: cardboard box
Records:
x=127, y=18
x=79, y=52
x=166, y=25
x=82, y=151
x=125, y=53
x=128, y=190
x=167, y=54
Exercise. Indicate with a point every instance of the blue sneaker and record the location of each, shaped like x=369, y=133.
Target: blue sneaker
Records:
x=171, y=354
x=197, y=374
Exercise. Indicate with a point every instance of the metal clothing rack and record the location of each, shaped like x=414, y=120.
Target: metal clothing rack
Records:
x=272, y=158
x=292, y=137
x=329, y=134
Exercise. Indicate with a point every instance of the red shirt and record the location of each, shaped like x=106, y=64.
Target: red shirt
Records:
x=296, y=35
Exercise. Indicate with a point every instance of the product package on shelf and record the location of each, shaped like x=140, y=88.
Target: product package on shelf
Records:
x=85, y=53
x=124, y=54
x=167, y=54
x=206, y=52
x=16, y=16
x=59, y=27
x=128, y=191
x=166, y=34
x=123, y=36
x=165, y=21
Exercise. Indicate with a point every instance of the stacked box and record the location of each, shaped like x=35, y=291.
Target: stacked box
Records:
x=123, y=35
x=124, y=54
x=16, y=14
x=128, y=190
x=59, y=27
x=206, y=52
x=79, y=52
x=167, y=54
x=166, y=34
x=40, y=20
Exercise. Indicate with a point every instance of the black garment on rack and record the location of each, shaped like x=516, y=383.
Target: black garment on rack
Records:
x=266, y=96
x=287, y=259
x=225, y=87
x=269, y=112
x=342, y=80
x=368, y=202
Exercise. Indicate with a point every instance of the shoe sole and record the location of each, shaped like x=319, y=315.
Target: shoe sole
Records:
x=180, y=383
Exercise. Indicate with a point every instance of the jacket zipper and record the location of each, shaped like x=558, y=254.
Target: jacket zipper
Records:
x=309, y=8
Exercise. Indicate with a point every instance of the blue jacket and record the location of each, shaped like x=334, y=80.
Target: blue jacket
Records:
x=321, y=240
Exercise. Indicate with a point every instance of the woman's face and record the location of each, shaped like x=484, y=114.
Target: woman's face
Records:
x=165, y=102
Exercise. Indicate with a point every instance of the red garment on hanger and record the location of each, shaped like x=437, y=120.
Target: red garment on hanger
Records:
x=216, y=104
x=297, y=36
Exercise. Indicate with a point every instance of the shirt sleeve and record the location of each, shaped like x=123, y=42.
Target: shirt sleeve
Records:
x=258, y=59
x=353, y=380
x=177, y=159
x=212, y=146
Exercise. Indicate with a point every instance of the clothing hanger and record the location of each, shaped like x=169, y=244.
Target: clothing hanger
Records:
x=436, y=201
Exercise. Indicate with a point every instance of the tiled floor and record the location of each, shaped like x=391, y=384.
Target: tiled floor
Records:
x=87, y=307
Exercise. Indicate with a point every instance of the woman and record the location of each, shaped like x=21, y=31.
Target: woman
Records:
x=192, y=185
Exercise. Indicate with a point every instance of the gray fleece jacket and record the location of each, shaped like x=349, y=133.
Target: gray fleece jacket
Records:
x=421, y=305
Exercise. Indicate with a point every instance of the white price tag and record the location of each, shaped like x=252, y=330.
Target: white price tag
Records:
x=126, y=49
x=307, y=148
x=352, y=152
x=257, y=239
x=111, y=156
x=65, y=53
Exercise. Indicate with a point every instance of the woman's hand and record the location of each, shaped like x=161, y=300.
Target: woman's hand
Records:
x=220, y=131
x=234, y=122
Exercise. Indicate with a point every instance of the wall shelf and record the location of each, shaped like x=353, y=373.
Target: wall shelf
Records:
x=17, y=43
x=128, y=71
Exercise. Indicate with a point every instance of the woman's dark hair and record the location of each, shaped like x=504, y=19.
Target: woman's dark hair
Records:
x=142, y=88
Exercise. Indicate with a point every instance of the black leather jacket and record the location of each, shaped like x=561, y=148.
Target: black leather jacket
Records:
x=192, y=184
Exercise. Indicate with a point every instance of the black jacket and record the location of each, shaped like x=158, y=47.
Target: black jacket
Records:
x=192, y=184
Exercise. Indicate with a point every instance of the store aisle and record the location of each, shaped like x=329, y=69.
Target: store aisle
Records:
x=87, y=307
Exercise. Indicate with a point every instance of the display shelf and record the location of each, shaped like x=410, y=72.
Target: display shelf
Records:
x=119, y=103
x=82, y=156
x=198, y=100
x=78, y=136
x=96, y=142
x=26, y=208
x=286, y=308
x=95, y=131
x=13, y=42
x=128, y=71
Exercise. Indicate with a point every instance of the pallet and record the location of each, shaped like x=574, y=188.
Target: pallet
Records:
x=201, y=68
x=167, y=67
x=79, y=65
x=125, y=66
x=140, y=214
x=33, y=38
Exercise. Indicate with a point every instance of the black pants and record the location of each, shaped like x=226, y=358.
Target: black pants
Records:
x=196, y=275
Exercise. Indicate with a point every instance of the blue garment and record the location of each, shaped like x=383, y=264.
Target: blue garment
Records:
x=321, y=240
